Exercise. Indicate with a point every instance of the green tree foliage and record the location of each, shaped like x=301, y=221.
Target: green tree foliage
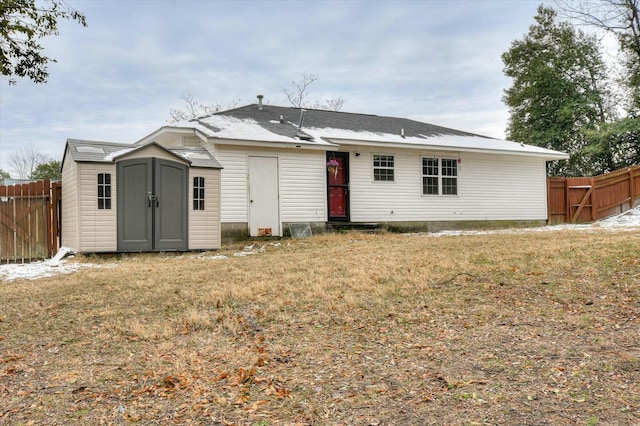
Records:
x=22, y=24
x=558, y=89
x=3, y=176
x=50, y=170
x=613, y=146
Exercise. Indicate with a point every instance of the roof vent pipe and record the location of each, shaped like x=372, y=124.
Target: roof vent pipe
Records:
x=260, y=102
x=402, y=132
x=281, y=119
x=302, y=111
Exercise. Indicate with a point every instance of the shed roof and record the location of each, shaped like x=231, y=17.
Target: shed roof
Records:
x=107, y=152
x=325, y=129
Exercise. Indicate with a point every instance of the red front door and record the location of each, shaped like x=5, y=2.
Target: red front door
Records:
x=338, y=185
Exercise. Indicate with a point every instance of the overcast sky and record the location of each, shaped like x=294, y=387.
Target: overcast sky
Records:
x=436, y=61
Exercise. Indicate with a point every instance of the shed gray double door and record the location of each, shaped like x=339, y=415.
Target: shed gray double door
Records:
x=152, y=205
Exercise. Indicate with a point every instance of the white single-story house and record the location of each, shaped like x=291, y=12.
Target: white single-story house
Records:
x=275, y=166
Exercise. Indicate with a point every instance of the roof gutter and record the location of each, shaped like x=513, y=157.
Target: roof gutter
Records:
x=550, y=156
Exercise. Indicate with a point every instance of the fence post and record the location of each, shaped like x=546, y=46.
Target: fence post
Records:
x=567, y=218
x=548, y=201
x=55, y=219
x=593, y=199
x=631, y=187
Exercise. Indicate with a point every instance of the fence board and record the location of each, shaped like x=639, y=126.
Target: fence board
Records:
x=29, y=225
x=585, y=199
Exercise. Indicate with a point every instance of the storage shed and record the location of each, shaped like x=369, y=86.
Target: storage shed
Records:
x=122, y=198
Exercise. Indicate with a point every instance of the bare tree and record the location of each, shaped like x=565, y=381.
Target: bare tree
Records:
x=299, y=92
x=296, y=96
x=195, y=109
x=25, y=160
x=617, y=16
x=620, y=18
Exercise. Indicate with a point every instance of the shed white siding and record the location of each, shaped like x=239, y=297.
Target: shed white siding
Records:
x=70, y=208
x=98, y=228
x=302, y=183
x=204, y=225
x=490, y=187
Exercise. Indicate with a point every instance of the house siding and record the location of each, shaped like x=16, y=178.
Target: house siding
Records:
x=490, y=187
x=70, y=208
x=204, y=225
x=302, y=183
x=234, y=184
x=303, y=187
x=97, y=227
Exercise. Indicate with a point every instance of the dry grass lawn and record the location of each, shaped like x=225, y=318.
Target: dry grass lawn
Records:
x=352, y=329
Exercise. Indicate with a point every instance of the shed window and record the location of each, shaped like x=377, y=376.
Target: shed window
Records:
x=198, y=193
x=383, y=168
x=439, y=176
x=104, y=191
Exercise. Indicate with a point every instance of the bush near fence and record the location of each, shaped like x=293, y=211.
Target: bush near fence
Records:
x=29, y=221
x=585, y=199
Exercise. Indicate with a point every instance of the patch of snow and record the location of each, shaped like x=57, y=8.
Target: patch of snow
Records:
x=213, y=257
x=195, y=155
x=221, y=126
x=244, y=253
x=236, y=128
x=445, y=142
x=47, y=268
x=115, y=154
x=90, y=149
x=629, y=220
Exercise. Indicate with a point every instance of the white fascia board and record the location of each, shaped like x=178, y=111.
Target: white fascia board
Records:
x=550, y=156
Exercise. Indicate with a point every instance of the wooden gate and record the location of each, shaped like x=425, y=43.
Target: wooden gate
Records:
x=29, y=221
x=585, y=199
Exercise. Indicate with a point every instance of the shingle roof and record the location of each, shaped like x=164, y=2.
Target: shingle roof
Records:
x=269, y=117
x=252, y=124
x=106, y=152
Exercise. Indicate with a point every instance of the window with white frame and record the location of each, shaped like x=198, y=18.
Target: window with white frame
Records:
x=439, y=176
x=198, y=193
x=104, y=191
x=383, y=168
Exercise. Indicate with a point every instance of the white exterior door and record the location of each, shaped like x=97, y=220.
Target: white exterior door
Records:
x=264, y=197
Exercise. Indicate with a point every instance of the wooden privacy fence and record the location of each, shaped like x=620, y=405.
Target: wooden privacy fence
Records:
x=585, y=199
x=29, y=221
